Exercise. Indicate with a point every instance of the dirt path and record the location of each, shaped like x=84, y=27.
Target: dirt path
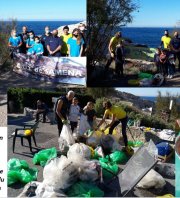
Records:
x=11, y=79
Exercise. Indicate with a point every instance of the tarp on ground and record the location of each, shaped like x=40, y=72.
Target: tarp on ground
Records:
x=137, y=167
x=71, y=70
x=140, y=53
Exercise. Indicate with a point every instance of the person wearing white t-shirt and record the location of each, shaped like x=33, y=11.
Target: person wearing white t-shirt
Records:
x=74, y=113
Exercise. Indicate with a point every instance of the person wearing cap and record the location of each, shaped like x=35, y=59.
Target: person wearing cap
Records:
x=62, y=107
x=118, y=116
x=65, y=36
x=117, y=38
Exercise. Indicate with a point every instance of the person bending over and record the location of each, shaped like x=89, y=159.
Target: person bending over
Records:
x=118, y=116
x=62, y=109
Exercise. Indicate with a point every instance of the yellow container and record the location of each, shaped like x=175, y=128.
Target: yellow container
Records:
x=28, y=132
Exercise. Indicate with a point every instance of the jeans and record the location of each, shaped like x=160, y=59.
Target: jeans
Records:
x=170, y=69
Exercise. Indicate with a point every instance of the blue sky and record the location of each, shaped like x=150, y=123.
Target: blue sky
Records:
x=156, y=13
x=43, y=9
x=150, y=91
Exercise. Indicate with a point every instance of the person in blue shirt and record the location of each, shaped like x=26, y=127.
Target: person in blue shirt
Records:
x=30, y=43
x=75, y=44
x=54, y=44
x=15, y=42
x=38, y=47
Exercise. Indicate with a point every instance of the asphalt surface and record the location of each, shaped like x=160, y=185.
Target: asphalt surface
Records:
x=3, y=110
x=47, y=137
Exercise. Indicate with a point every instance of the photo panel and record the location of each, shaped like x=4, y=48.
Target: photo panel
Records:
x=130, y=49
x=47, y=47
x=122, y=136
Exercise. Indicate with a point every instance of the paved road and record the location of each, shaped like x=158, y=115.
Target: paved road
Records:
x=3, y=110
x=47, y=137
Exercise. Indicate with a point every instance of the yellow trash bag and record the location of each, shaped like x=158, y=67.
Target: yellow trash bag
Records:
x=92, y=151
x=28, y=132
x=147, y=129
x=165, y=196
x=115, y=134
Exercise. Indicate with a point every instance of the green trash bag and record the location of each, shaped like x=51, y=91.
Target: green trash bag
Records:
x=19, y=171
x=84, y=189
x=135, y=143
x=118, y=157
x=107, y=166
x=142, y=75
x=14, y=164
x=45, y=155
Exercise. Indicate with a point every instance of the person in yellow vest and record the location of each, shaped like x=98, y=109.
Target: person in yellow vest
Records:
x=165, y=40
x=118, y=116
x=66, y=35
x=117, y=38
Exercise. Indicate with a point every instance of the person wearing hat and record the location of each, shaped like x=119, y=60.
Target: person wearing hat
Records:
x=65, y=36
x=118, y=116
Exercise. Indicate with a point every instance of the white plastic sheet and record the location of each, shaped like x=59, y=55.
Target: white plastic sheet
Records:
x=152, y=180
x=66, y=138
x=83, y=125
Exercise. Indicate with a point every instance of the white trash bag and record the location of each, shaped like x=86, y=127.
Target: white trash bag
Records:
x=79, y=149
x=88, y=171
x=45, y=191
x=83, y=125
x=152, y=180
x=66, y=138
x=60, y=173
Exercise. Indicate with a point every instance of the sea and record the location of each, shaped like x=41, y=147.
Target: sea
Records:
x=150, y=98
x=38, y=26
x=146, y=35
x=141, y=35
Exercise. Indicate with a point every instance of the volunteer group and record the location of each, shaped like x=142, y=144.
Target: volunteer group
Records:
x=50, y=43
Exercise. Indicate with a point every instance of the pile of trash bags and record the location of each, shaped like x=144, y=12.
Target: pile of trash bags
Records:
x=81, y=166
x=147, y=80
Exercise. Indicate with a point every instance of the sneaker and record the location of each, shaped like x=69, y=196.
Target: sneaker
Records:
x=170, y=76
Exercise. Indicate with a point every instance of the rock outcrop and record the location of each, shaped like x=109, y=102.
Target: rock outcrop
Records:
x=135, y=100
x=71, y=27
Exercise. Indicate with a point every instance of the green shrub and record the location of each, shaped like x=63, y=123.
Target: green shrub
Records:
x=99, y=107
x=27, y=97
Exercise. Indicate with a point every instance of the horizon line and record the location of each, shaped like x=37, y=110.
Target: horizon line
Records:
x=150, y=27
x=43, y=19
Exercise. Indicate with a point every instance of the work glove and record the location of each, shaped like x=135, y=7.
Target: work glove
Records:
x=64, y=121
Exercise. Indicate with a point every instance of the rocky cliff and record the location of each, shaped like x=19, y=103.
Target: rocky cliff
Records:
x=134, y=100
